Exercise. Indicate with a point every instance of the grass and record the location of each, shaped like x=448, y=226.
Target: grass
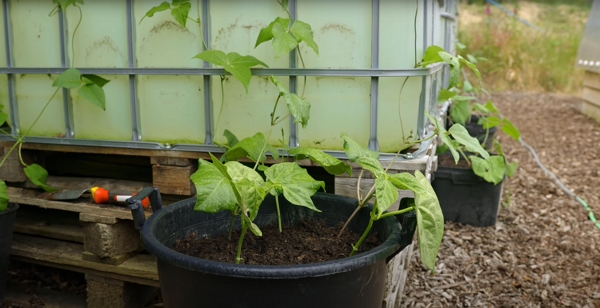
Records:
x=519, y=57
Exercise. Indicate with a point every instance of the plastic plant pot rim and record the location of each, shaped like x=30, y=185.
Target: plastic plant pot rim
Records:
x=163, y=253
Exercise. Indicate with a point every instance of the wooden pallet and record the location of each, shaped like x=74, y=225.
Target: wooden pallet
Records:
x=101, y=242
x=56, y=238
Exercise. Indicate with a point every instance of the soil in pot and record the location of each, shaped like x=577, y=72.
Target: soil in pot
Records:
x=309, y=241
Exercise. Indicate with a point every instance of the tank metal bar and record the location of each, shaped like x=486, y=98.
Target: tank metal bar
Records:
x=208, y=109
x=64, y=61
x=373, y=142
x=333, y=72
x=136, y=132
x=293, y=141
x=419, y=153
x=12, y=97
x=448, y=16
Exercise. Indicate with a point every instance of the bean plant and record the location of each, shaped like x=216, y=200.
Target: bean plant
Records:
x=88, y=86
x=463, y=95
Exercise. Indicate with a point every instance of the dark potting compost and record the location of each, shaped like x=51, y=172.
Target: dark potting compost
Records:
x=308, y=241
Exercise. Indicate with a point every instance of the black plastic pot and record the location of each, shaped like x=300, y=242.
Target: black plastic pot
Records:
x=477, y=131
x=357, y=281
x=7, y=223
x=465, y=197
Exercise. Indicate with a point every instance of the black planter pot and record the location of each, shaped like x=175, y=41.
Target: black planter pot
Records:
x=7, y=223
x=465, y=197
x=357, y=281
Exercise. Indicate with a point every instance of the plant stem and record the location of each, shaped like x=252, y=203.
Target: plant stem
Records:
x=400, y=109
x=221, y=108
x=274, y=109
x=281, y=120
x=21, y=156
x=73, y=36
x=358, y=196
x=303, y=66
x=278, y=213
x=42, y=112
x=19, y=141
x=200, y=25
x=402, y=211
x=360, y=206
x=362, y=238
x=238, y=257
x=415, y=27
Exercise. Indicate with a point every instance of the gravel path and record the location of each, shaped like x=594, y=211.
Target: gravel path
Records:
x=543, y=251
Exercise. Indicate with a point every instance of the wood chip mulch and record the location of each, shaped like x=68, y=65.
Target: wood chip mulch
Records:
x=544, y=251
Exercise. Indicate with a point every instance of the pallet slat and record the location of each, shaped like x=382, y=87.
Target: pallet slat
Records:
x=140, y=269
x=28, y=196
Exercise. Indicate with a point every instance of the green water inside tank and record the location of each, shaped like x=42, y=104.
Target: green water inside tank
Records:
x=171, y=107
x=95, y=45
x=91, y=122
x=161, y=42
x=33, y=92
x=36, y=35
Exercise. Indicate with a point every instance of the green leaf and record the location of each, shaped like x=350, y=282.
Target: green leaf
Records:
x=385, y=193
x=3, y=196
x=38, y=176
x=460, y=45
x=492, y=170
x=445, y=137
x=239, y=66
x=254, y=229
x=214, y=191
x=509, y=129
x=461, y=135
x=69, y=79
x=231, y=138
x=405, y=181
x=93, y=94
x=354, y=151
x=284, y=4
x=298, y=107
x=159, y=8
x=470, y=65
x=481, y=108
x=472, y=59
x=460, y=112
x=491, y=107
x=283, y=41
x=371, y=164
x=266, y=33
x=249, y=184
x=64, y=4
x=489, y=122
x=454, y=64
x=3, y=118
x=215, y=57
x=431, y=56
x=445, y=95
x=303, y=33
x=254, y=147
x=430, y=221
x=467, y=86
x=295, y=182
x=95, y=79
x=329, y=163
x=511, y=169
x=181, y=11
x=234, y=63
